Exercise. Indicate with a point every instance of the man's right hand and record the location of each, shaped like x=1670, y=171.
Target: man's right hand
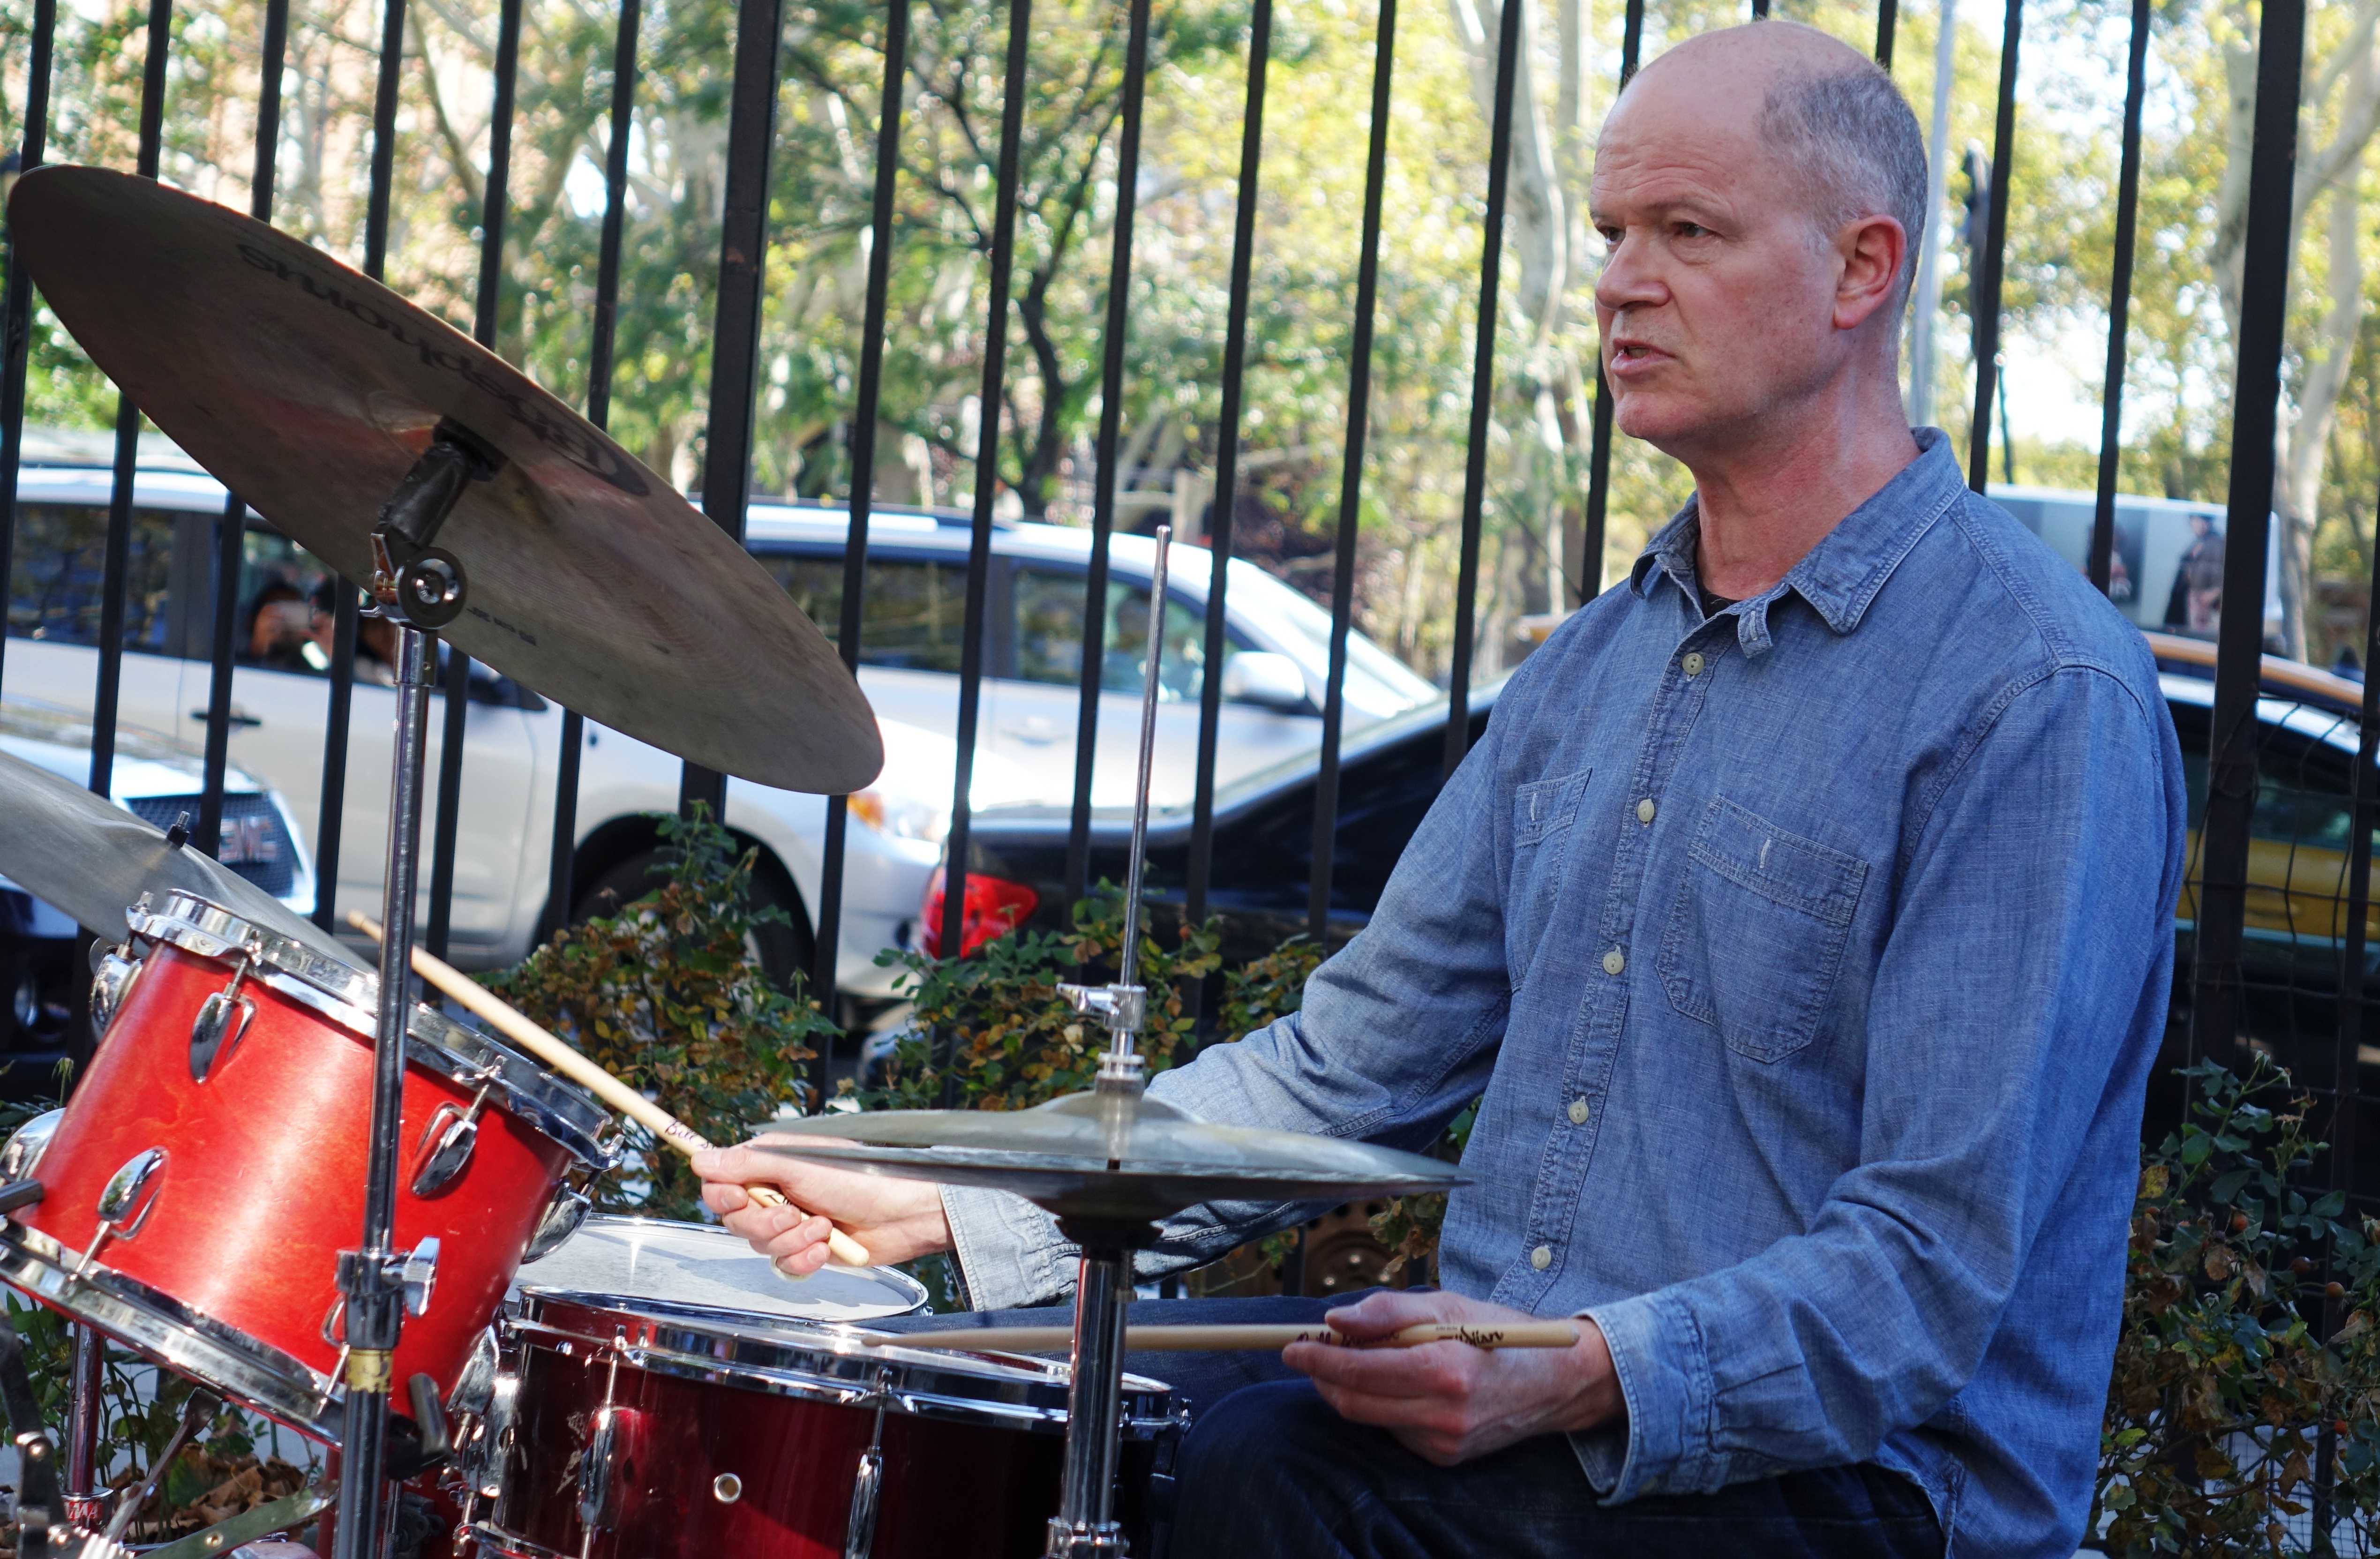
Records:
x=897, y=1220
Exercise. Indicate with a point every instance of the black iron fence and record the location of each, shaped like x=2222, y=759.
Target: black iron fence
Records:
x=2280, y=963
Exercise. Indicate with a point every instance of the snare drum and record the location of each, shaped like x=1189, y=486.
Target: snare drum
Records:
x=200, y=1186
x=646, y=1430
x=623, y=1258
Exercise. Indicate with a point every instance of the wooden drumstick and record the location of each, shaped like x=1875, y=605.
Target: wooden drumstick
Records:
x=514, y=1025
x=1250, y=1338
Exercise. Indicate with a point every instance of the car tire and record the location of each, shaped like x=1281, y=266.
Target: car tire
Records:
x=782, y=951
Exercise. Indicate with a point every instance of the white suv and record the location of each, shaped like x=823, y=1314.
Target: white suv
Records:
x=1274, y=673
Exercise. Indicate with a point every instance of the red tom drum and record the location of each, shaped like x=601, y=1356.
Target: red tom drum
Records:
x=210, y=1168
x=640, y=1428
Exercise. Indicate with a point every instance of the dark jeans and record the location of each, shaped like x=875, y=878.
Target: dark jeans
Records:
x=1269, y=1471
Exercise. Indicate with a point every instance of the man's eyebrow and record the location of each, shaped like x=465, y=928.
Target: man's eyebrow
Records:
x=1692, y=205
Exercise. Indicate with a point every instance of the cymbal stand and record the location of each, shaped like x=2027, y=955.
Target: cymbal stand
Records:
x=85, y=1500
x=1085, y=1526
x=418, y=586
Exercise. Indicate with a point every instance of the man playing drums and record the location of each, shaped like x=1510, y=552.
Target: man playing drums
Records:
x=1803, y=918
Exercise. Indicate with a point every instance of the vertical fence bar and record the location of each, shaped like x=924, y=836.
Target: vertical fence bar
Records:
x=1598, y=459
x=1598, y=478
x=232, y=528
x=1095, y=584
x=1351, y=484
x=2231, y=768
x=1227, y=465
x=986, y=479
x=118, y=566
x=490, y=311
x=736, y=329
x=828, y=946
x=1994, y=257
x=572, y=746
x=329, y=830
x=1483, y=388
x=1888, y=19
x=16, y=303
x=2120, y=301
x=1760, y=10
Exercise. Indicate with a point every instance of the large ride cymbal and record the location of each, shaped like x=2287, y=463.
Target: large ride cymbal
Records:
x=1057, y=1155
x=91, y=858
x=310, y=390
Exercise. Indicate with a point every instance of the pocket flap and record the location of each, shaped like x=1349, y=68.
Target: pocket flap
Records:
x=1783, y=867
x=1543, y=805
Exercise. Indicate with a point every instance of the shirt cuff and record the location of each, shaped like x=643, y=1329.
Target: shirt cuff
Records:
x=1010, y=1252
x=1664, y=1373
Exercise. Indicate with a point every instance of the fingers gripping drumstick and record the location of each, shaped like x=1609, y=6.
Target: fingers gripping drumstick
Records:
x=516, y=1026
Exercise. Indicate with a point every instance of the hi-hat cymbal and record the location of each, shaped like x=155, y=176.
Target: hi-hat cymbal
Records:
x=1057, y=1155
x=91, y=858
x=311, y=390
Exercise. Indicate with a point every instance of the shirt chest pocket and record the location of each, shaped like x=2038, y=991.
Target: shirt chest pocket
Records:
x=1756, y=933
x=1543, y=813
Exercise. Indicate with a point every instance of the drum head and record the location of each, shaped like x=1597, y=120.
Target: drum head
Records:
x=618, y=1259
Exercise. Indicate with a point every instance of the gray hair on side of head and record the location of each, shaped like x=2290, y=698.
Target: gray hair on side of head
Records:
x=1854, y=141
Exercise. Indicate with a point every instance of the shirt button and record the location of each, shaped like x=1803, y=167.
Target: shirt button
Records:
x=1542, y=1257
x=1693, y=663
x=1614, y=961
x=1578, y=1112
x=1644, y=810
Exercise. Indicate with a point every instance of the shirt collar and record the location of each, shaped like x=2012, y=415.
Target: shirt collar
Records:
x=1842, y=575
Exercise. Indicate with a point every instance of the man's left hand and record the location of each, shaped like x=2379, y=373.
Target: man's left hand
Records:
x=1449, y=1402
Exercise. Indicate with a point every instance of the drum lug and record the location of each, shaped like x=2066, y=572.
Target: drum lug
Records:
x=110, y=982
x=125, y=1202
x=609, y=1463
x=859, y=1533
x=559, y=1222
x=22, y=1154
x=447, y=1143
x=222, y=1019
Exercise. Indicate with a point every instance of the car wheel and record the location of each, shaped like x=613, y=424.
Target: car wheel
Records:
x=782, y=951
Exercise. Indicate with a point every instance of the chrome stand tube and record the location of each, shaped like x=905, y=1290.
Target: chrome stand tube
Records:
x=1085, y=1526
x=86, y=1498
x=369, y=1276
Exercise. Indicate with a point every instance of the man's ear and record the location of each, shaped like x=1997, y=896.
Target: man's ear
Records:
x=1872, y=251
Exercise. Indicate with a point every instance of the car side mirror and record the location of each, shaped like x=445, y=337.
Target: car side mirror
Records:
x=1263, y=677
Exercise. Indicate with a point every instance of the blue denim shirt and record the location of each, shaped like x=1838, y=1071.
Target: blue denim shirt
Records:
x=1811, y=960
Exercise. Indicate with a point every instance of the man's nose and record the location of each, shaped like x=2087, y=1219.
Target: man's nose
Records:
x=1629, y=277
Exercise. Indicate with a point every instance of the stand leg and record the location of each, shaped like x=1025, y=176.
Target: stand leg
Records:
x=368, y=1276
x=1085, y=1526
x=86, y=1502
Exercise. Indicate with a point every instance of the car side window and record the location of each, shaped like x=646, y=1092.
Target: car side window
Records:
x=1050, y=635
x=58, y=573
x=286, y=606
x=910, y=617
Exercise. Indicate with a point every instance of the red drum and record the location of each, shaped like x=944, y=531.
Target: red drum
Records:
x=198, y=1189
x=641, y=1428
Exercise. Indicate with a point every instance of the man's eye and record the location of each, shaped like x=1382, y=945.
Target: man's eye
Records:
x=1693, y=230
x=1610, y=236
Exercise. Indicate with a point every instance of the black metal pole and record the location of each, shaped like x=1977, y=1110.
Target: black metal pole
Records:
x=1483, y=388
x=599, y=412
x=735, y=330
x=2119, y=302
x=1994, y=256
x=232, y=528
x=986, y=479
x=1598, y=459
x=1227, y=466
x=1888, y=19
x=16, y=303
x=1094, y=586
x=458, y=681
x=330, y=825
x=864, y=413
x=2231, y=768
x=119, y=565
x=1351, y=483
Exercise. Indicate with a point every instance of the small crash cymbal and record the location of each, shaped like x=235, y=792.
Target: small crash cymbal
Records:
x=91, y=858
x=310, y=390
x=1057, y=1155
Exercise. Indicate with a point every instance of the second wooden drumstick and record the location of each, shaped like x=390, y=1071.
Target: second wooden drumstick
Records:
x=514, y=1025
x=1247, y=1339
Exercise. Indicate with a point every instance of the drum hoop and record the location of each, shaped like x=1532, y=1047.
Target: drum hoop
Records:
x=901, y=1282
x=556, y=1106
x=494, y=1537
x=902, y=1380
x=172, y=1333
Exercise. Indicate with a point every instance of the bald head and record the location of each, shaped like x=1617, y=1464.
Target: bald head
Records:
x=1832, y=123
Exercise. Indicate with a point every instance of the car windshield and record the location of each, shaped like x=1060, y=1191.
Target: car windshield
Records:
x=1377, y=683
